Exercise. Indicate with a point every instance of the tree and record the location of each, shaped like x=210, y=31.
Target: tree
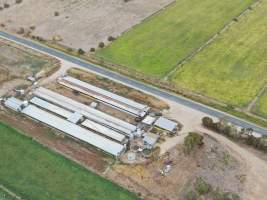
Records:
x=81, y=51
x=207, y=122
x=192, y=141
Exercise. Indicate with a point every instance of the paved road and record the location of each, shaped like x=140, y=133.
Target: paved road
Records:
x=136, y=84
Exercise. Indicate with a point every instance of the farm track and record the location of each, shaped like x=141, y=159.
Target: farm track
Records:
x=212, y=39
x=10, y=193
x=252, y=105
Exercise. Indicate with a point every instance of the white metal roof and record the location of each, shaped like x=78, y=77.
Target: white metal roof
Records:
x=166, y=124
x=14, y=103
x=103, y=130
x=86, y=111
x=51, y=107
x=150, y=139
x=110, y=98
x=74, y=130
x=75, y=118
x=149, y=120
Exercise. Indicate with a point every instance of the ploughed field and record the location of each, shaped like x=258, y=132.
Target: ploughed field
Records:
x=156, y=46
x=34, y=172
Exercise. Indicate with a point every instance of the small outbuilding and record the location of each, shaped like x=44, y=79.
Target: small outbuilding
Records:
x=75, y=118
x=148, y=120
x=150, y=139
x=166, y=124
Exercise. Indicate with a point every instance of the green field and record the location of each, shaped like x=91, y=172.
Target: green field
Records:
x=157, y=45
x=233, y=69
x=261, y=106
x=5, y=196
x=36, y=173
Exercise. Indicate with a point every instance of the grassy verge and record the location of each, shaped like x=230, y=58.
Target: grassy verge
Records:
x=156, y=46
x=34, y=172
x=233, y=68
x=261, y=105
x=5, y=196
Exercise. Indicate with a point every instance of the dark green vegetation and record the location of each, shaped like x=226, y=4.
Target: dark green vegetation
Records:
x=5, y=196
x=33, y=172
x=157, y=45
x=231, y=131
x=192, y=142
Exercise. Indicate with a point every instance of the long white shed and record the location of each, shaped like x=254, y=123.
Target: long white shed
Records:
x=74, y=130
x=104, y=130
x=106, y=97
x=88, y=112
x=51, y=107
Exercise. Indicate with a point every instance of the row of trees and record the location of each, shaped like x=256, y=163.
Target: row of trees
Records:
x=244, y=135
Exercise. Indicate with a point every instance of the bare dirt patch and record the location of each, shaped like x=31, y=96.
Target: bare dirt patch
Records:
x=18, y=62
x=79, y=24
x=213, y=162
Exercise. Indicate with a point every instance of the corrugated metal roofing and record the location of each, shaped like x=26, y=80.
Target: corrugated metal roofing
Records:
x=14, y=104
x=150, y=139
x=74, y=130
x=75, y=118
x=51, y=107
x=86, y=111
x=166, y=124
x=103, y=130
x=105, y=96
x=149, y=120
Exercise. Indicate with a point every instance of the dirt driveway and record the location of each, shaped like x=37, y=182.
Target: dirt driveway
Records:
x=81, y=24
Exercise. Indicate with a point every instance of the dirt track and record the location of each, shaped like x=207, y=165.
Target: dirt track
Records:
x=81, y=24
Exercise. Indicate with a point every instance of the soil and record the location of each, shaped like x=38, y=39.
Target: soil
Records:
x=18, y=62
x=220, y=170
x=78, y=24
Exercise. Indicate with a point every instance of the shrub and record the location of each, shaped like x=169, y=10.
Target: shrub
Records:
x=207, y=122
x=6, y=5
x=111, y=38
x=56, y=13
x=92, y=49
x=101, y=45
x=18, y=1
x=192, y=141
x=81, y=51
x=201, y=186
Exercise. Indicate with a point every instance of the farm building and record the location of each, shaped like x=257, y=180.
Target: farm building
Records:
x=74, y=130
x=109, y=98
x=166, y=124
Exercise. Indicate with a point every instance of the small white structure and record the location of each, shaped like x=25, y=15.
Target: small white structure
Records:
x=149, y=120
x=150, y=139
x=75, y=118
x=31, y=79
x=15, y=104
x=166, y=124
x=94, y=104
